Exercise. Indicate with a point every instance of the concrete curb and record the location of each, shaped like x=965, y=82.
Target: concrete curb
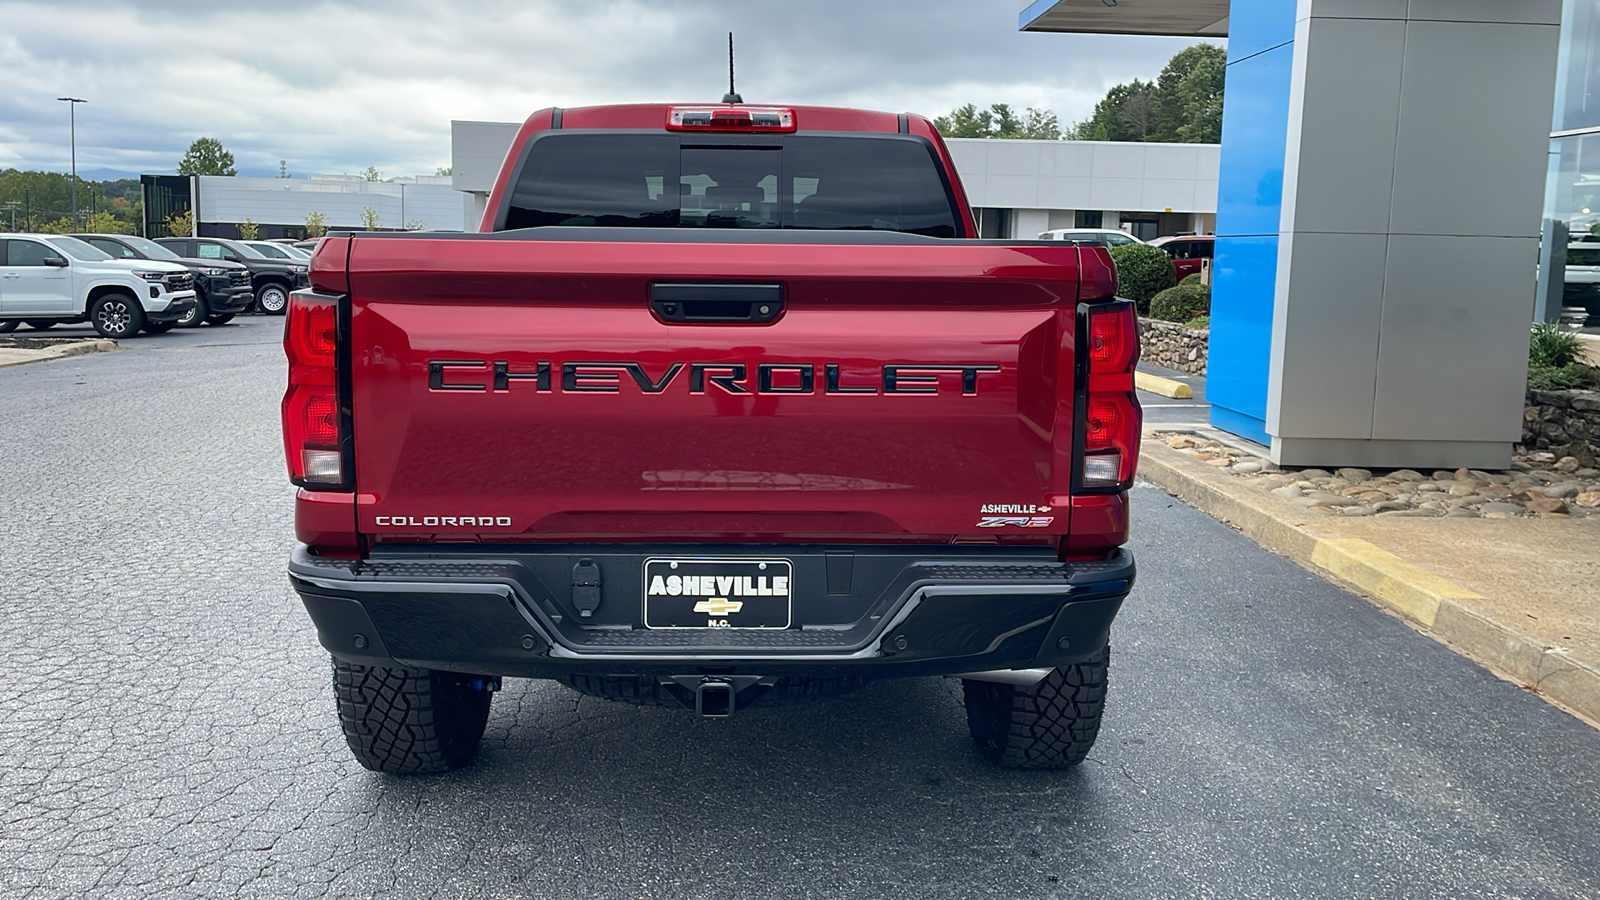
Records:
x=1166, y=387
x=18, y=357
x=1437, y=606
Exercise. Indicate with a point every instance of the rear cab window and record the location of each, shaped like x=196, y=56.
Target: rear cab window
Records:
x=799, y=181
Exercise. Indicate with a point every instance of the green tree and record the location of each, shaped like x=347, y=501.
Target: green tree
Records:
x=206, y=157
x=372, y=174
x=1127, y=113
x=181, y=223
x=444, y=171
x=370, y=220
x=316, y=224
x=965, y=122
x=106, y=223
x=999, y=120
x=249, y=230
x=1189, y=96
x=1183, y=104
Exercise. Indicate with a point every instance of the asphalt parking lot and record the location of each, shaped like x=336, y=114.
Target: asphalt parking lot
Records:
x=167, y=727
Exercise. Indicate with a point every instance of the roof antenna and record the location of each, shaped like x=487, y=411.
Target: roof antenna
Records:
x=730, y=96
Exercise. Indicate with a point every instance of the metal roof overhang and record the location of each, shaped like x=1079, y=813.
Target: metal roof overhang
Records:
x=1181, y=18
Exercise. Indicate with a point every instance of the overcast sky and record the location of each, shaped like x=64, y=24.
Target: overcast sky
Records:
x=338, y=86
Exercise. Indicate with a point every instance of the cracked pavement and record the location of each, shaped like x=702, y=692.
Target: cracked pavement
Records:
x=167, y=726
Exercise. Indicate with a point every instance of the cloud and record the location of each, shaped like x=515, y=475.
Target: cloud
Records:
x=335, y=87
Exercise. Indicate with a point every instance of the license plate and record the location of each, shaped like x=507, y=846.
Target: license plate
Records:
x=717, y=593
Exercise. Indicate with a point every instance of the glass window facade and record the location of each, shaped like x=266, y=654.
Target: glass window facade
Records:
x=1569, y=283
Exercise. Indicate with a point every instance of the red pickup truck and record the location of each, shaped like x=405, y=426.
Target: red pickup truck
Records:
x=725, y=403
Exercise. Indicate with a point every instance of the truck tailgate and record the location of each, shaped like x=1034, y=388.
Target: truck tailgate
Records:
x=526, y=389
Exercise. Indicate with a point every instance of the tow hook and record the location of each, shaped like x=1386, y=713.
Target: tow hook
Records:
x=713, y=699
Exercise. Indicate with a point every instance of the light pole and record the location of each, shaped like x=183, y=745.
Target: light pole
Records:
x=72, y=117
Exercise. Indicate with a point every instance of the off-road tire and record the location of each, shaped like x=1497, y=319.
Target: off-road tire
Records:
x=196, y=317
x=273, y=299
x=645, y=691
x=220, y=318
x=117, y=315
x=1048, y=725
x=409, y=721
x=41, y=324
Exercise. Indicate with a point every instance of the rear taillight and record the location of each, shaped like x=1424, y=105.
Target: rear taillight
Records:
x=315, y=424
x=1110, y=419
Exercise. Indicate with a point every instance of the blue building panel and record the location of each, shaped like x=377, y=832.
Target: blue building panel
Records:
x=1256, y=26
x=1243, y=283
x=1255, y=132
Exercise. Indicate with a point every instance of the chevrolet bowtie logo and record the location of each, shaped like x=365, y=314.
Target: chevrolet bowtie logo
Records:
x=718, y=606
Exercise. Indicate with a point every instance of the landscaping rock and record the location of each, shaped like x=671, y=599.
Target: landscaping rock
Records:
x=1564, y=491
x=1546, y=505
x=1462, y=513
x=1247, y=467
x=1501, y=510
x=1359, y=511
x=1289, y=491
x=1354, y=476
x=1406, y=475
x=1568, y=464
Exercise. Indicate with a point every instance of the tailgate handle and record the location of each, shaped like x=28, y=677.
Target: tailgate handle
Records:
x=692, y=304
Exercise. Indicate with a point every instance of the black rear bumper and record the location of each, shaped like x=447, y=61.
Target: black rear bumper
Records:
x=886, y=611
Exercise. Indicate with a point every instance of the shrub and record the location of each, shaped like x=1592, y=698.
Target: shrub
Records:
x=1553, y=360
x=1552, y=346
x=1191, y=278
x=1569, y=377
x=248, y=230
x=1143, y=271
x=1181, y=303
x=1199, y=323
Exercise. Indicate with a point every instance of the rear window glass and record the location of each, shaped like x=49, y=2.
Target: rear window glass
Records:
x=802, y=181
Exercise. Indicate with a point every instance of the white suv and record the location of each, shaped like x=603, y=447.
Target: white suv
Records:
x=1105, y=237
x=47, y=279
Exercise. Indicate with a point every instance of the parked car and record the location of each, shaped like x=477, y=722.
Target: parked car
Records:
x=308, y=246
x=1583, y=279
x=271, y=279
x=272, y=250
x=222, y=288
x=49, y=279
x=1187, y=250
x=1105, y=237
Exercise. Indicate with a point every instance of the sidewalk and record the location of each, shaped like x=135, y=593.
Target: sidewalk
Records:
x=16, y=351
x=1521, y=596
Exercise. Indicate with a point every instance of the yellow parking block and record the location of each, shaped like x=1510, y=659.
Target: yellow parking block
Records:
x=1166, y=387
